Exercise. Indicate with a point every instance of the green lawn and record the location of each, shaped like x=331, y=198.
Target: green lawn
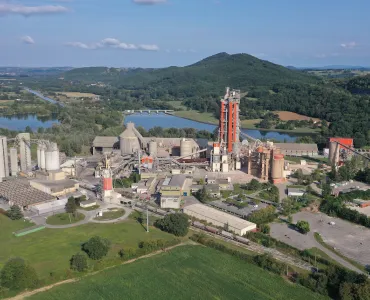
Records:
x=197, y=116
x=49, y=250
x=186, y=272
x=111, y=214
x=64, y=219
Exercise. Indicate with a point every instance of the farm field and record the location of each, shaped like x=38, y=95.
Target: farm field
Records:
x=185, y=272
x=287, y=116
x=77, y=94
x=49, y=250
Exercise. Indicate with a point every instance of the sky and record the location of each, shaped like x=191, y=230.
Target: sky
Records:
x=161, y=33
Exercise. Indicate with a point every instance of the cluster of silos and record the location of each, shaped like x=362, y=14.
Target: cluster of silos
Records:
x=186, y=148
x=48, y=156
x=4, y=164
x=129, y=142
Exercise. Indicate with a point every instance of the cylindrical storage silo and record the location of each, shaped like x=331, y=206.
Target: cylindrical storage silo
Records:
x=42, y=157
x=3, y=158
x=153, y=148
x=186, y=148
x=333, y=153
x=52, y=157
x=277, y=170
x=129, y=142
x=13, y=161
x=39, y=156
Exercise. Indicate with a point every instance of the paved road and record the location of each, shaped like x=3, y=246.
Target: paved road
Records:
x=89, y=216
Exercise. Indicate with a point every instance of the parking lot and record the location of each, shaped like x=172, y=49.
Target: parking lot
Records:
x=233, y=209
x=349, y=239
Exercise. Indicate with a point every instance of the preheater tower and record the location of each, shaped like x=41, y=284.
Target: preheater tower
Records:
x=229, y=119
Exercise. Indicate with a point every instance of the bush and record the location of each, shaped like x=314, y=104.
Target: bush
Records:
x=79, y=262
x=15, y=213
x=176, y=224
x=18, y=275
x=265, y=228
x=303, y=226
x=96, y=247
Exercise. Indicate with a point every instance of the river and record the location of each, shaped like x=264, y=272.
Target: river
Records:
x=43, y=97
x=149, y=121
x=20, y=122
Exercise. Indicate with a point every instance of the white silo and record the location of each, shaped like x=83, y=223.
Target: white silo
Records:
x=129, y=142
x=13, y=161
x=4, y=169
x=25, y=150
x=52, y=157
x=42, y=157
x=39, y=156
x=186, y=148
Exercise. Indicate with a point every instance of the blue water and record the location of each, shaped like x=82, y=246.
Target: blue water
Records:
x=20, y=122
x=149, y=121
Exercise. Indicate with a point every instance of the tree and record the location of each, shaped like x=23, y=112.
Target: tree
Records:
x=201, y=181
x=176, y=224
x=79, y=262
x=202, y=195
x=18, y=275
x=254, y=185
x=303, y=226
x=326, y=190
x=265, y=228
x=71, y=206
x=15, y=212
x=96, y=247
x=28, y=129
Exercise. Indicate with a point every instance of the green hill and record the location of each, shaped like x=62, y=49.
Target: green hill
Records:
x=208, y=76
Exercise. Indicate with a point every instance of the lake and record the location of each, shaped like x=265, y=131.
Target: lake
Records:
x=20, y=122
x=149, y=121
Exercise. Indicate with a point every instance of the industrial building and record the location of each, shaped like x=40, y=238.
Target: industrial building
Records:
x=22, y=194
x=219, y=218
x=173, y=189
x=295, y=149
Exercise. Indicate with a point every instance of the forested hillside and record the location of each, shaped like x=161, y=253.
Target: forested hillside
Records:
x=264, y=85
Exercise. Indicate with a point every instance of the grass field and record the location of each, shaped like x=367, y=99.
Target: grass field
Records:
x=111, y=215
x=64, y=219
x=186, y=272
x=77, y=95
x=197, y=116
x=288, y=115
x=49, y=250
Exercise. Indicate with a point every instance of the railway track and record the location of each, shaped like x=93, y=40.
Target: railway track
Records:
x=254, y=247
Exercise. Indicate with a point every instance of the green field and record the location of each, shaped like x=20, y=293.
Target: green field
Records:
x=49, y=250
x=64, y=219
x=111, y=214
x=186, y=272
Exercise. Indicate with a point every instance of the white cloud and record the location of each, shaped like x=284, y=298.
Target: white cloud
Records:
x=113, y=43
x=19, y=9
x=149, y=2
x=27, y=39
x=349, y=45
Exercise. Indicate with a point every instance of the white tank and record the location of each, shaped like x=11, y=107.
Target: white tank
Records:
x=3, y=157
x=25, y=151
x=153, y=148
x=42, y=157
x=39, y=156
x=13, y=161
x=52, y=157
x=186, y=148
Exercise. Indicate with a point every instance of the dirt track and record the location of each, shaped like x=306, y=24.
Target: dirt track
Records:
x=48, y=287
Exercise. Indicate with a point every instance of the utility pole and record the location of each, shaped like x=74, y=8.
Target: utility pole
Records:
x=147, y=219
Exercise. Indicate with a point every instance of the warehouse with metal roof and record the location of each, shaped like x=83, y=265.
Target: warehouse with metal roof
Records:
x=219, y=218
x=20, y=193
x=296, y=149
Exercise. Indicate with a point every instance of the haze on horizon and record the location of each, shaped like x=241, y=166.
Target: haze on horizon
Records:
x=160, y=33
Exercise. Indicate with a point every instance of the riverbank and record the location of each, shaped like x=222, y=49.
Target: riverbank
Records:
x=208, y=118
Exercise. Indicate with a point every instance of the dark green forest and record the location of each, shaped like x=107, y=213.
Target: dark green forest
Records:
x=344, y=103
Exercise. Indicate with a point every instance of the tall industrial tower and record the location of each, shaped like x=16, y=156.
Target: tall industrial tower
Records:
x=229, y=127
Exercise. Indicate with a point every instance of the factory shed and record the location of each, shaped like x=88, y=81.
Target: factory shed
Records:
x=47, y=207
x=296, y=192
x=56, y=188
x=213, y=190
x=20, y=193
x=219, y=218
x=295, y=149
x=103, y=144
